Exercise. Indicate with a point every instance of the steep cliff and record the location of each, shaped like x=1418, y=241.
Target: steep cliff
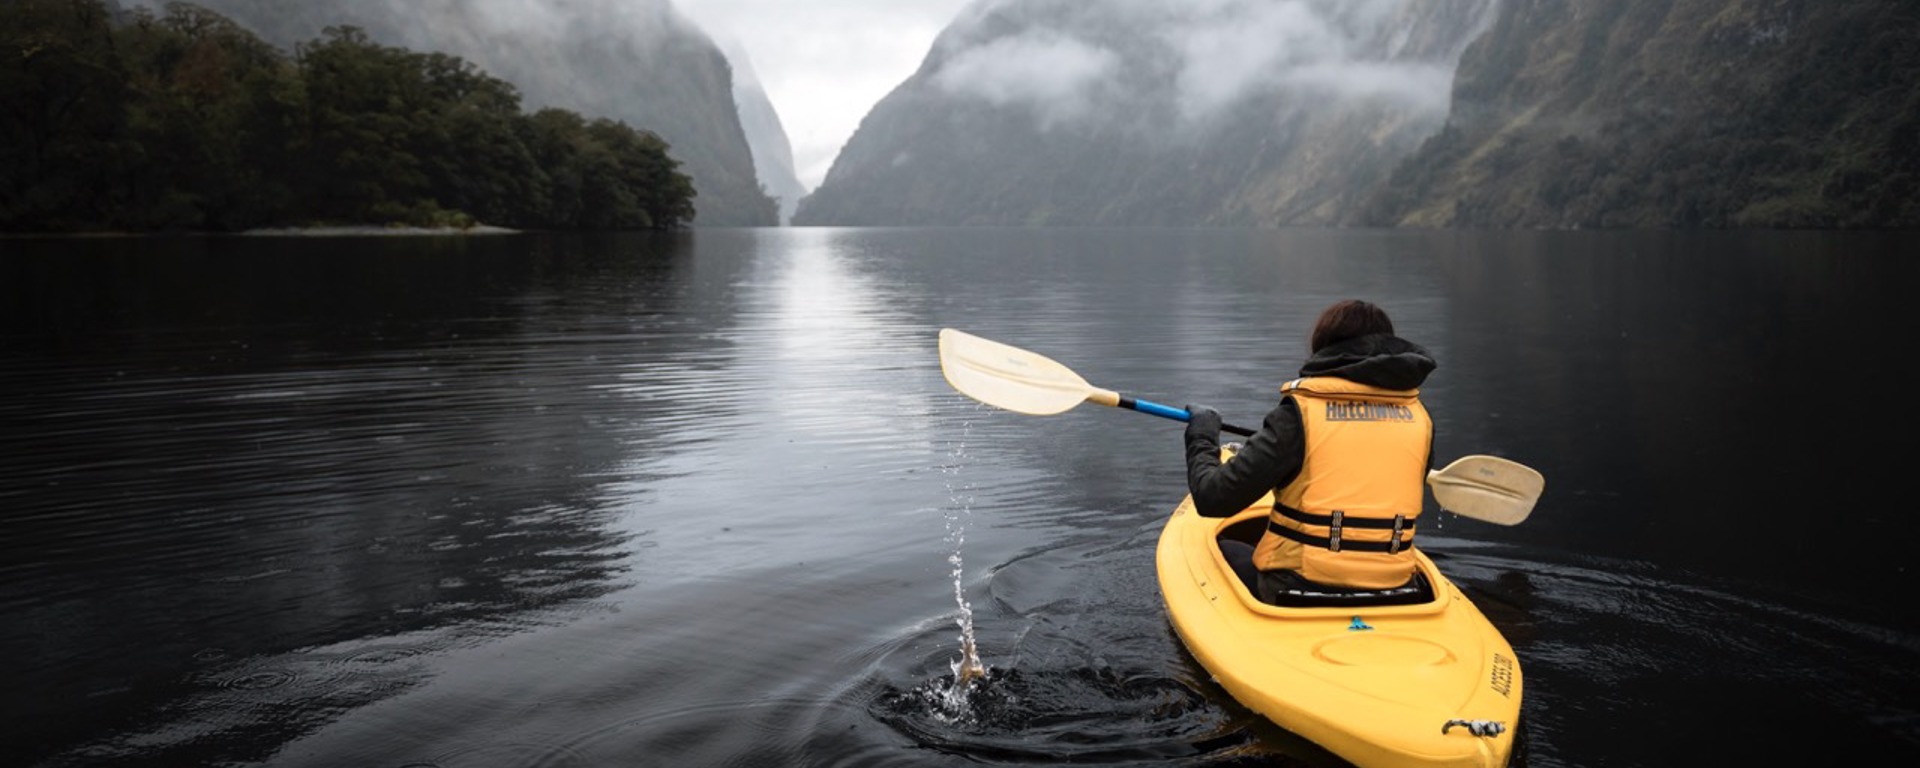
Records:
x=766, y=136
x=1234, y=112
x=1676, y=113
x=637, y=61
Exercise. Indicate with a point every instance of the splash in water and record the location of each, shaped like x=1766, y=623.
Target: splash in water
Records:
x=968, y=668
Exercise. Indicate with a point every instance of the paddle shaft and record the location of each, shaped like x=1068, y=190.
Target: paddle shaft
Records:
x=1117, y=400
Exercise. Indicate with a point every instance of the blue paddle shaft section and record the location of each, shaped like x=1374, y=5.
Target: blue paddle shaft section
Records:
x=1177, y=414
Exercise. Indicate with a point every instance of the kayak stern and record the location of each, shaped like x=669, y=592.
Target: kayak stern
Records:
x=1427, y=684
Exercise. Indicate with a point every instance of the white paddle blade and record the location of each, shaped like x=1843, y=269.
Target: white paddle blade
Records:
x=1008, y=377
x=1487, y=488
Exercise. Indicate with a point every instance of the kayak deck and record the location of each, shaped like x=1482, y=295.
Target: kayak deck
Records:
x=1399, y=685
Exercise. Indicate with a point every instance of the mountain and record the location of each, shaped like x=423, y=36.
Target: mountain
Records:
x=1410, y=113
x=1141, y=112
x=766, y=136
x=637, y=61
x=1676, y=113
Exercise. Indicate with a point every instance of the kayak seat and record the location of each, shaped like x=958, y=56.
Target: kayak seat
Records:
x=1291, y=590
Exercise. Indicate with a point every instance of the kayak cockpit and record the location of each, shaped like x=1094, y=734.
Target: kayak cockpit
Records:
x=1429, y=595
x=1301, y=593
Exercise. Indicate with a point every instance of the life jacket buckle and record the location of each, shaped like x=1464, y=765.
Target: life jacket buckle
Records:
x=1393, y=545
x=1333, y=531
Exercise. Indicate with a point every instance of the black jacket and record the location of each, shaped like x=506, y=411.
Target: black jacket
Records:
x=1272, y=456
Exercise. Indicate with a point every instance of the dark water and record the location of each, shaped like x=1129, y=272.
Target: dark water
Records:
x=705, y=498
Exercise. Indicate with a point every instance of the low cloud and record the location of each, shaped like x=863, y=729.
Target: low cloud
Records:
x=1425, y=88
x=1239, y=48
x=1054, y=75
x=1206, y=55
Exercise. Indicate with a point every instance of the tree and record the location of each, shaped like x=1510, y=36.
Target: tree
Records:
x=62, y=114
x=211, y=112
x=184, y=120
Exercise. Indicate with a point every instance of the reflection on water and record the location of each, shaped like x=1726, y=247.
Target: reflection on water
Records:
x=219, y=456
x=704, y=498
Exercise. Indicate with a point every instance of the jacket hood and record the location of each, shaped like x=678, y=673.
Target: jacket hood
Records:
x=1379, y=360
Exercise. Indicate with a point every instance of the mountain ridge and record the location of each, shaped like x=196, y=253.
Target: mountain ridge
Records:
x=1556, y=114
x=1039, y=112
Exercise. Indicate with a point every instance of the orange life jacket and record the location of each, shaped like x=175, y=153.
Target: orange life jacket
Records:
x=1347, y=519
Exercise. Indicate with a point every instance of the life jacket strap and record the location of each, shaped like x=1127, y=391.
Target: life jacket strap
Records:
x=1333, y=541
x=1329, y=521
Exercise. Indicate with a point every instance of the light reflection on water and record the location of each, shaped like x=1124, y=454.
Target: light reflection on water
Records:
x=704, y=499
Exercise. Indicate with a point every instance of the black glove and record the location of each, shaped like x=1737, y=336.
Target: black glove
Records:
x=1202, y=420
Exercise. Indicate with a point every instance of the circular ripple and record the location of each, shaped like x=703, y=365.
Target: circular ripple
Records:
x=210, y=654
x=515, y=755
x=380, y=655
x=1060, y=715
x=259, y=681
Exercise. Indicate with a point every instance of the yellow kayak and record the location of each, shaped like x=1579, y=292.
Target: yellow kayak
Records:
x=1426, y=684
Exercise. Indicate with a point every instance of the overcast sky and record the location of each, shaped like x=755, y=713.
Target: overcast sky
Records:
x=825, y=63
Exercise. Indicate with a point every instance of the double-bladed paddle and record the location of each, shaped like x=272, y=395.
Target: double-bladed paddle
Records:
x=1486, y=488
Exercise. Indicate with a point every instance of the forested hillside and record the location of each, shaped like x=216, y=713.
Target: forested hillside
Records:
x=1402, y=113
x=637, y=61
x=1676, y=113
x=766, y=136
x=1559, y=114
x=183, y=120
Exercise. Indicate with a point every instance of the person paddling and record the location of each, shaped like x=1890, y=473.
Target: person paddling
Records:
x=1346, y=452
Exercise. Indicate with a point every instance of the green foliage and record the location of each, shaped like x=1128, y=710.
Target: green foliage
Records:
x=63, y=112
x=602, y=174
x=207, y=120
x=183, y=120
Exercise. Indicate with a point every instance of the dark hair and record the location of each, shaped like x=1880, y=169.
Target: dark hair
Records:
x=1349, y=319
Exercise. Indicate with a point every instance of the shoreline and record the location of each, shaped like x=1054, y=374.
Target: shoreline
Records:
x=374, y=230
x=357, y=230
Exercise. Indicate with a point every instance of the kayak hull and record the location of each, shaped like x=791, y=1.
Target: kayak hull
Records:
x=1401, y=685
